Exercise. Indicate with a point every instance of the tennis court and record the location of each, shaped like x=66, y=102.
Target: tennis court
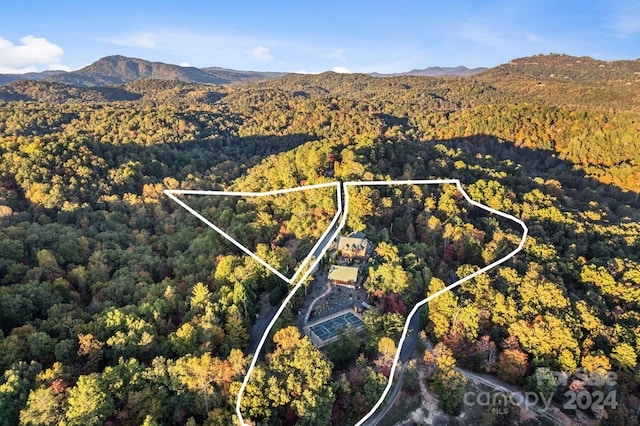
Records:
x=327, y=329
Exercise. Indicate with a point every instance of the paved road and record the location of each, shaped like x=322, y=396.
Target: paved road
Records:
x=406, y=352
x=327, y=239
x=260, y=327
x=409, y=347
x=391, y=397
x=411, y=341
x=517, y=394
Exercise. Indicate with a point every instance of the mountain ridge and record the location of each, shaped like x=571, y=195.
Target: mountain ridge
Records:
x=33, y=76
x=558, y=66
x=459, y=71
x=118, y=70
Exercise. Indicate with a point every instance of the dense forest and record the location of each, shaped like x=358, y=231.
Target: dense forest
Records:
x=118, y=307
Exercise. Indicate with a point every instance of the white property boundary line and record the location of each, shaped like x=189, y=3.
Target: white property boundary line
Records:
x=171, y=193
x=317, y=260
x=447, y=288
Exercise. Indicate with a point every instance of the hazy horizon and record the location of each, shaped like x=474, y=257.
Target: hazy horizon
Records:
x=286, y=36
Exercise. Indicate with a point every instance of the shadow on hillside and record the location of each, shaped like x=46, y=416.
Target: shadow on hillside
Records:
x=41, y=91
x=391, y=120
x=212, y=97
x=224, y=158
x=482, y=153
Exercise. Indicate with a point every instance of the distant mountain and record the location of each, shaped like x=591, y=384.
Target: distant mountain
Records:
x=235, y=75
x=459, y=71
x=114, y=70
x=8, y=78
x=120, y=70
x=581, y=69
x=538, y=69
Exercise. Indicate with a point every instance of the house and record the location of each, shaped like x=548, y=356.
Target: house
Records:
x=343, y=275
x=355, y=246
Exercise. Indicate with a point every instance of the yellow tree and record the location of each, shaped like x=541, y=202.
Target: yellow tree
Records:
x=88, y=402
x=387, y=352
x=442, y=309
x=197, y=374
x=301, y=377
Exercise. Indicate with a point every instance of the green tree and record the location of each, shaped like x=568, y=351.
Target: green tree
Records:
x=200, y=297
x=236, y=333
x=542, y=382
x=88, y=402
x=442, y=308
x=449, y=388
x=388, y=278
x=303, y=374
x=254, y=404
x=244, y=297
x=15, y=385
x=185, y=339
x=344, y=350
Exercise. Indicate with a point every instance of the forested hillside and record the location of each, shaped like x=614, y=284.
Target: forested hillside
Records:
x=119, y=69
x=118, y=307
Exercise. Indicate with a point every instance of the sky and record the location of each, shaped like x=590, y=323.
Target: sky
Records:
x=313, y=36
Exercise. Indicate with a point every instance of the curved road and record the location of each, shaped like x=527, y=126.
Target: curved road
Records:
x=494, y=384
x=406, y=351
x=409, y=347
x=259, y=328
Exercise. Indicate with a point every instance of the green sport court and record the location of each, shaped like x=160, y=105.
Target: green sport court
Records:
x=327, y=329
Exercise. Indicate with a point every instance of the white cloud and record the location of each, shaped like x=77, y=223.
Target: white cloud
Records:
x=185, y=64
x=25, y=57
x=261, y=52
x=24, y=70
x=198, y=48
x=341, y=70
x=482, y=35
x=59, y=67
x=626, y=24
x=144, y=40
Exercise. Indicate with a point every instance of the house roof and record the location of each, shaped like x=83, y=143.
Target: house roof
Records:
x=343, y=273
x=357, y=234
x=352, y=243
